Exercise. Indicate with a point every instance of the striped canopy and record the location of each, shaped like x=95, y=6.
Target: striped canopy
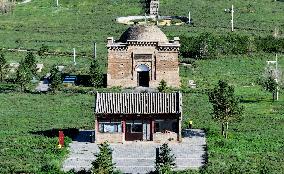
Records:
x=138, y=103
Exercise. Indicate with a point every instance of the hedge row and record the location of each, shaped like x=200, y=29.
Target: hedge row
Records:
x=210, y=45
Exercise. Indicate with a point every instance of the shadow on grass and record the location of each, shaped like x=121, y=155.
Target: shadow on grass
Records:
x=69, y=132
x=73, y=133
x=251, y=100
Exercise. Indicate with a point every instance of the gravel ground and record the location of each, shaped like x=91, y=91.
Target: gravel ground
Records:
x=138, y=157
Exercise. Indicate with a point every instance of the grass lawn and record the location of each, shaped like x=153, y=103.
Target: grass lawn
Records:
x=24, y=116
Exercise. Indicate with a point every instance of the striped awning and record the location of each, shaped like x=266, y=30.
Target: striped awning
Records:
x=138, y=103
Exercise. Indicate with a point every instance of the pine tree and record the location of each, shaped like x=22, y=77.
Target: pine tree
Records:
x=103, y=163
x=96, y=75
x=23, y=76
x=55, y=78
x=162, y=86
x=225, y=105
x=165, y=161
x=3, y=66
x=30, y=62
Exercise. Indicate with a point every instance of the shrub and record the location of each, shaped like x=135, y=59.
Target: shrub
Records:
x=162, y=86
x=103, y=163
x=165, y=161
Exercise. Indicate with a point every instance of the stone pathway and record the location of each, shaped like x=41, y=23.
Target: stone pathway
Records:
x=139, y=157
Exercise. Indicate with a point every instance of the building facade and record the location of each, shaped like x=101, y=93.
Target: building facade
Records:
x=121, y=117
x=143, y=56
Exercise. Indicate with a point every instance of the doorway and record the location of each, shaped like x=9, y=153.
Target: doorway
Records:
x=143, y=78
x=143, y=75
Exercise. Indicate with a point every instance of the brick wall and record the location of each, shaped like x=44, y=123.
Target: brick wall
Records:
x=109, y=137
x=122, y=66
x=160, y=137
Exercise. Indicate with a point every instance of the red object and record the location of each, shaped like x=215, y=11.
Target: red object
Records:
x=61, y=138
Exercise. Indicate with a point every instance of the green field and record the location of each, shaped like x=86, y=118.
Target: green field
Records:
x=255, y=145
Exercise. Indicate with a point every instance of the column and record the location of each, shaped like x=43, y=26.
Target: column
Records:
x=123, y=129
x=179, y=130
x=152, y=129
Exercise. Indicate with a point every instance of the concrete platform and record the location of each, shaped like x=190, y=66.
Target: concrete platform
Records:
x=139, y=157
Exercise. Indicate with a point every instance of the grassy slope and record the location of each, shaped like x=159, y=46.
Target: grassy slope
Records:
x=77, y=24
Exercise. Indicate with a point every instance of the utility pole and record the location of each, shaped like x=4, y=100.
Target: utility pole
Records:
x=232, y=21
x=277, y=80
x=189, y=17
x=95, y=50
x=74, y=56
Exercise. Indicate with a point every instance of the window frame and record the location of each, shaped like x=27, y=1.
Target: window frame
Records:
x=111, y=122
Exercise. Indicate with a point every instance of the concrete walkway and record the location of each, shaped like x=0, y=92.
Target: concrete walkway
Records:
x=139, y=157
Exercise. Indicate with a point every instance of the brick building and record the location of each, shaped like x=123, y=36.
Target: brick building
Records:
x=124, y=117
x=143, y=56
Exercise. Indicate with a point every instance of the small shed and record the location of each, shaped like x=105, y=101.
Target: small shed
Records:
x=121, y=117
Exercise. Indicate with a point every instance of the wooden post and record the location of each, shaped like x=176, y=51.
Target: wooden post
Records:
x=57, y=3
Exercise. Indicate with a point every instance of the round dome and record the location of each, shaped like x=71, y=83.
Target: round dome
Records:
x=144, y=33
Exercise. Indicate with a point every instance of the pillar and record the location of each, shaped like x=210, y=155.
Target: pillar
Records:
x=152, y=129
x=179, y=130
x=96, y=129
x=123, y=129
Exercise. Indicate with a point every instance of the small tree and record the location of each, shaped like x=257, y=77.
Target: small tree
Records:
x=165, y=161
x=269, y=84
x=225, y=105
x=30, y=62
x=3, y=66
x=55, y=78
x=96, y=75
x=162, y=86
x=272, y=80
x=103, y=163
x=23, y=75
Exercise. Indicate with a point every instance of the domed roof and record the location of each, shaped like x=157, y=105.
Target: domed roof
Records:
x=143, y=32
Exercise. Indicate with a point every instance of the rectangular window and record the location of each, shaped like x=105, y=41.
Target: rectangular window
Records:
x=134, y=126
x=111, y=126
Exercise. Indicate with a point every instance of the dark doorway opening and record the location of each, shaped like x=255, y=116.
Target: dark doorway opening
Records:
x=143, y=78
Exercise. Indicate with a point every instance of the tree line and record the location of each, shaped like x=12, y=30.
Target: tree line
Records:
x=210, y=45
x=27, y=70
